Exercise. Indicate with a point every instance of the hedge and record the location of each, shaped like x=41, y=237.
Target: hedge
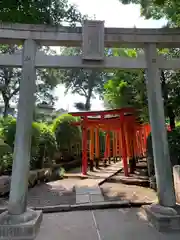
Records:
x=67, y=135
x=174, y=151
x=46, y=141
x=5, y=157
x=43, y=142
x=173, y=143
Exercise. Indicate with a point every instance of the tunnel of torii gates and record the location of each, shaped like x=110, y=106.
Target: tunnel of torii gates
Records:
x=128, y=136
x=120, y=126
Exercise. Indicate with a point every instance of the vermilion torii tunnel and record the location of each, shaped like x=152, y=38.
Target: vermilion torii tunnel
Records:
x=123, y=134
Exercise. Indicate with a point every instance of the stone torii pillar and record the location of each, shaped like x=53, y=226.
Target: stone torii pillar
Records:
x=18, y=222
x=163, y=215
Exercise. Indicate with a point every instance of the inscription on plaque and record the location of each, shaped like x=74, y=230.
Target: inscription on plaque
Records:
x=93, y=40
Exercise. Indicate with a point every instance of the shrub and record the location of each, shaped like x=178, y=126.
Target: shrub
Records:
x=8, y=130
x=5, y=157
x=43, y=145
x=174, y=145
x=43, y=142
x=174, y=149
x=67, y=135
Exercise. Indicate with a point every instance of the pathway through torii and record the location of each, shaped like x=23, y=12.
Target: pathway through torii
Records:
x=93, y=38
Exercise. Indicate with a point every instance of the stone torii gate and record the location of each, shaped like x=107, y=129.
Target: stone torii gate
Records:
x=22, y=223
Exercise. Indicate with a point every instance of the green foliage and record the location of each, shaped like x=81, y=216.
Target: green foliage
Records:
x=66, y=134
x=157, y=9
x=43, y=145
x=47, y=141
x=33, y=12
x=4, y=148
x=39, y=12
x=5, y=157
x=43, y=142
x=127, y=88
x=6, y=163
x=47, y=80
x=174, y=149
x=117, y=93
x=174, y=145
x=9, y=130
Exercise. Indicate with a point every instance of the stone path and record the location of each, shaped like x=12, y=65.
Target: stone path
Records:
x=88, y=195
x=88, y=190
x=124, y=224
x=64, y=191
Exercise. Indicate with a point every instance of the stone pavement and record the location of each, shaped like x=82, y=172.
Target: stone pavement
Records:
x=88, y=190
x=116, y=224
x=88, y=195
x=64, y=191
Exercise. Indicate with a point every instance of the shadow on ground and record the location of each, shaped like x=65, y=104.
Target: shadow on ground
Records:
x=114, y=190
x=47, y=195
x=140, y=181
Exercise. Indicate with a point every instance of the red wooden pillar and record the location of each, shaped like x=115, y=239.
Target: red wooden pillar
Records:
x=114, y=144
x=123, y=144
x=97, y=144
x=106, y=146
x=84, y=150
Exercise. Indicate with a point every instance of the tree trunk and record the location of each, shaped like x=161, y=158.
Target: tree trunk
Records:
x=87, y=104
x=6, y=108
x=88, y=99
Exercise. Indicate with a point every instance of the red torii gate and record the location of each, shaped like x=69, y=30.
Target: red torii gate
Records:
x=125, y=130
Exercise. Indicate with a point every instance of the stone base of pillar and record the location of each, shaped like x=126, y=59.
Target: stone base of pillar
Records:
x=164, y=219
x=25, y=226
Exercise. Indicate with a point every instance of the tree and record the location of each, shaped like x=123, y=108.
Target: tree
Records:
x=34, y=12
x=39, y=12
x=127, y=87
x=81, y=106
x=170, y=10
x=84, y=82
x=158, y=9
x=10, y=78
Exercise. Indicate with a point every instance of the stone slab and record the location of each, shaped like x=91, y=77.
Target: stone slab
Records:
x=84, y=198
x=87, y=190
x=81, y=190
x=26, y=228
x=95, y=191
x=128, y=224
x=78, y=225
x=164, y=220
x=96, y=198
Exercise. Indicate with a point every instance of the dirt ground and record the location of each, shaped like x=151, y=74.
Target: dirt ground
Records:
x=114, y=190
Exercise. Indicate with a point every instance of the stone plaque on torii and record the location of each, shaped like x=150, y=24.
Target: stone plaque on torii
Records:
x=93, y=41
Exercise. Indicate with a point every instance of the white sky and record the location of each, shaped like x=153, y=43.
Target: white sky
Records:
x=115, y=15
